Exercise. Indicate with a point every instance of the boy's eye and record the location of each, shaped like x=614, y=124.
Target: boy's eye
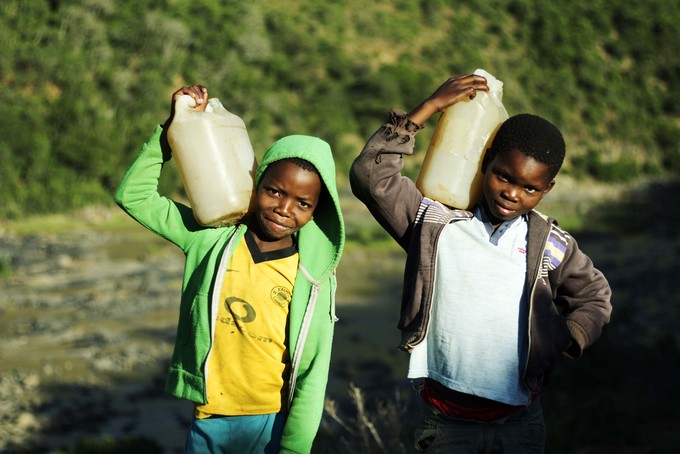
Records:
x=531, y=190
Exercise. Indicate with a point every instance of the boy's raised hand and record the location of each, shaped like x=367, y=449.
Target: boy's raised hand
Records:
x=449, y=93
x=198, y=92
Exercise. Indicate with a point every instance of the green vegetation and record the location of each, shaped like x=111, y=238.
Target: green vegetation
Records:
x=5, y=266
x=84, y=82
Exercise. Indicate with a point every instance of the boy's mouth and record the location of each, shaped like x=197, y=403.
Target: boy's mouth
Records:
x=502, y=210
x=273, y=225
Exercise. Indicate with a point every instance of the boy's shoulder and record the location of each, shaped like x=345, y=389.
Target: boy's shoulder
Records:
x=550, y=223
x=432, y=211
x=557, y=242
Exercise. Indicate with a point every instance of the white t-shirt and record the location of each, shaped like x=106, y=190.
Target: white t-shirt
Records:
x=477, y=336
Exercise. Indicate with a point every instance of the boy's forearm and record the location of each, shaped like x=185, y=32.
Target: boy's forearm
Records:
x=452, y=91
x=138, y=196
x=376, y=180
x=586, y=296
x=588, y=318
x=141, y=178
x=422, y=113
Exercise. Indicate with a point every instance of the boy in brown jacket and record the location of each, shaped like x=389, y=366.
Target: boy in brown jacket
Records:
x=493, y=296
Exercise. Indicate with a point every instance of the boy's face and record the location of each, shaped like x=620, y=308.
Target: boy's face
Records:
x=514, y=183
x=286, y=198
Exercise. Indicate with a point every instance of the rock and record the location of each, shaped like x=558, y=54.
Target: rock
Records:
x=26, y=421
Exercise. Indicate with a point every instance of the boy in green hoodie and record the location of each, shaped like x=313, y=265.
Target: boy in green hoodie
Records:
x=257, y=310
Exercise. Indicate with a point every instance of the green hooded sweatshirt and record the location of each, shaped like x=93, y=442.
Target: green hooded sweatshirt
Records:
x=312, y=308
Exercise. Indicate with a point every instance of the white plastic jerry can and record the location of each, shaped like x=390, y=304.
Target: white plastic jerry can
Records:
x=215, y=159
x=451, y=171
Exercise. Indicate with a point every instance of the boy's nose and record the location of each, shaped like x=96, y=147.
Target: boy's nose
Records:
x=284, y=207
x=511, y=193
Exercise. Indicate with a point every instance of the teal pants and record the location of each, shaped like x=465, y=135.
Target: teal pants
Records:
x=236, y=434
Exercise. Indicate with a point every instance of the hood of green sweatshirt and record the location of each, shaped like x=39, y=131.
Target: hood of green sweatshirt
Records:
x=321, y=240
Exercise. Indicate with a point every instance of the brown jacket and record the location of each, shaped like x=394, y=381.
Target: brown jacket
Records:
x=569, y=299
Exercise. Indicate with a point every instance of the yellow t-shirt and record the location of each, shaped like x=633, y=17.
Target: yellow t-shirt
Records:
x=249, y=362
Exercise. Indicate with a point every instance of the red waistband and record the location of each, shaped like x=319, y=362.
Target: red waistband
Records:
x=465, y=406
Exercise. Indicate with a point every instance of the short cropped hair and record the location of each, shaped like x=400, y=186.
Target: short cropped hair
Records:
x=303, y=164
x=534, y=136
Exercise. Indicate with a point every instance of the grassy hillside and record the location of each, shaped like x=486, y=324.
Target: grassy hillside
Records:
x=85, y=82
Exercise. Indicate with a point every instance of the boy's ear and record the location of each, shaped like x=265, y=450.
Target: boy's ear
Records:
x=548, y=187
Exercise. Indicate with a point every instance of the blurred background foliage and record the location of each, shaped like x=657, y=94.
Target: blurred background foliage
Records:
x=84, y=82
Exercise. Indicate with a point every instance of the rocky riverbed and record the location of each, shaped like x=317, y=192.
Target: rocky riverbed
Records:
x=86, y=327
x=87, y=323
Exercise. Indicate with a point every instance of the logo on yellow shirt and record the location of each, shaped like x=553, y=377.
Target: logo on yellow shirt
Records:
x=241, y=310
x=281, y=296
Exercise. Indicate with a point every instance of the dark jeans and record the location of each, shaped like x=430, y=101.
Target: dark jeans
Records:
x=519, y=433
